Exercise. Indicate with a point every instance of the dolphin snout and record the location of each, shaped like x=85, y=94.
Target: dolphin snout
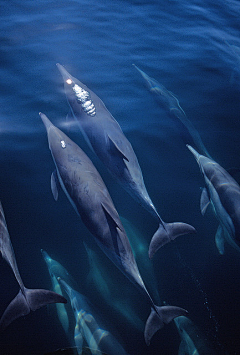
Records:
x=195, y=153
x=66, y=76
x=46, y=121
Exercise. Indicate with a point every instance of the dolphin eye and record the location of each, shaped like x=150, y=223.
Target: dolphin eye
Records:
x=63, y=144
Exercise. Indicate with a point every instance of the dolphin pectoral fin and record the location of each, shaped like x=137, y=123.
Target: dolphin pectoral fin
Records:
x=204, y=201
x=78, y=339
x=166, y=233
x=18, y=307
x=110, y=216
x=220, y=239
x=55, y=185
x=116, y=150
x=156, y=320
x=37, y=298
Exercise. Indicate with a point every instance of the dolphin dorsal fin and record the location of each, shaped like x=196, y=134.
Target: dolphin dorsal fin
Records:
x=116, y=150
x=204, y=201
x=55, y=184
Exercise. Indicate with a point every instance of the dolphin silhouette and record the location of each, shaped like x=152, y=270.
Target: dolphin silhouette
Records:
x=27, y=299
x=223, y=192
x=88, y=327
x=90, y=198
x=169, y=100
x=57, y=270
x=109, y=143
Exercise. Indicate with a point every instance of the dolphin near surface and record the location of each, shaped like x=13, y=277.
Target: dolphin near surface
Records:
x=27, y=299
x=109, y=143
x=172, y=104
x=90, y=198
x=87, y=326
x=223, y=192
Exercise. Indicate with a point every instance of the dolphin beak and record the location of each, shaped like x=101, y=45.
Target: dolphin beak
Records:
x=195, y=153
x=46, y=121
x=66, y=76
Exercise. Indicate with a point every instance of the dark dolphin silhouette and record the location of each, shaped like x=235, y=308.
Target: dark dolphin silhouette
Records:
x=90, y=198
x=108, y=141
x=172, y=104
x=223, y=192
x=27, y=299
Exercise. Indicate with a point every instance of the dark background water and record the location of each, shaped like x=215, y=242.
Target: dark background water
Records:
x=183, y=45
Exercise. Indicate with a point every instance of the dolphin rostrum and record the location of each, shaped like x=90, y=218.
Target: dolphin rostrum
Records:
x=169, y=100
x=223, y=192
x=27, y=299
x=89, y=196
x=109, y=143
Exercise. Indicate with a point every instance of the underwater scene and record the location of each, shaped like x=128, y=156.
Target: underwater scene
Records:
x=119, y=177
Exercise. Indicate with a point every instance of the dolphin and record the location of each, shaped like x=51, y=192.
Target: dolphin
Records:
x=27, y=299
x=106, y=286
x=173, y=106
x=87, y=325
x=223, y=192
x=90, y=198
x=193, y=342
x=57, y=270
x=109, y=143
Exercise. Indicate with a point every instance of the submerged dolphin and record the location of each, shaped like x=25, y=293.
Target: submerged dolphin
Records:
x=89, y=196
x=57, y=270
x=108, y=141
x=172, y=104
x=193, y=342
x=224, y=194
x=27, y=299
x=87, y=326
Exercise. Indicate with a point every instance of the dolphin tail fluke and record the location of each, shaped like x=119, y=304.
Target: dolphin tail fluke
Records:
x=160, y=316
x=166, y=233
x=24, y=302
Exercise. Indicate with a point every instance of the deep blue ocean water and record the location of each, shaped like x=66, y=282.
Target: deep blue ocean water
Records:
x=187, y=47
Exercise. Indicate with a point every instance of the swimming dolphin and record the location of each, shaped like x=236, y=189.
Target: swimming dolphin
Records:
x=90, y=198
x=223, y=192
x=57, y=270
x=172, y=104
x=88, y=327
x=108, y=141
x=27, y=299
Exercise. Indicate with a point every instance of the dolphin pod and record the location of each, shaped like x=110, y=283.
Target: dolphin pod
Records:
x=27, y=299
x=107, y=140
x=87, y=326
x=172, y=104
x=223, y=192
x=90, y=198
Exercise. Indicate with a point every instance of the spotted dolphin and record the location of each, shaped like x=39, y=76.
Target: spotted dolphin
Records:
x=90, y=198
x=27, y=299
x=223, y=192
x=170, y=101
x=109, y=143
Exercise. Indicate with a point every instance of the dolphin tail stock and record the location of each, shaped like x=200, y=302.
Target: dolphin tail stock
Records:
x=167, y=232
x=159, y=316
x=28, y=300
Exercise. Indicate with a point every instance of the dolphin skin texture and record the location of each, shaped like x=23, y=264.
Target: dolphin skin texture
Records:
x=171, y=103
x=27, y=299
x=90, y=198
x=223, y=192
x=107, y=140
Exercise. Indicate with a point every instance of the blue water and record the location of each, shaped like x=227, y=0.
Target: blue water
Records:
x=186, y=46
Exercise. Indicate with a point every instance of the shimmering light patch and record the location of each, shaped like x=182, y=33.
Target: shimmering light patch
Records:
x=84, y=99
x=69, y=81
x=63, y=144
